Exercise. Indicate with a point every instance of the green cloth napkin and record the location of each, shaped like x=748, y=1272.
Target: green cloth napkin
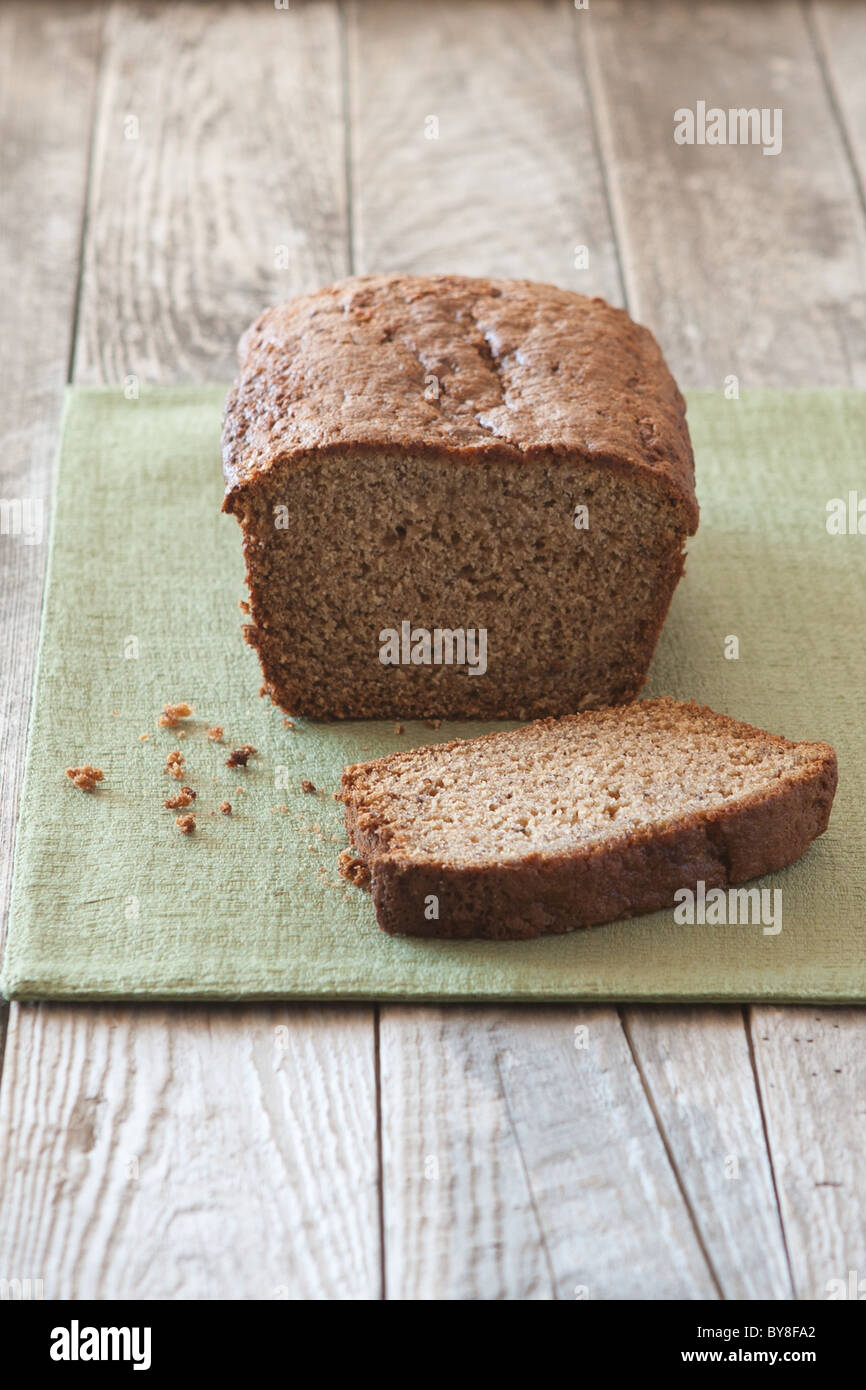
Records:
x=110, y=901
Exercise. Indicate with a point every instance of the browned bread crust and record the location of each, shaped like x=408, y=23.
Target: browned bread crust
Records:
x=428, y=438
x=524, y=371
x=618, y=875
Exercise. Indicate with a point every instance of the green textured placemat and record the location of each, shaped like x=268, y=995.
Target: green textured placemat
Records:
x=110, y=901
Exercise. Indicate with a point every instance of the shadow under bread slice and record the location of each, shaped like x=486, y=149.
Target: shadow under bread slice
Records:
x=571, y=822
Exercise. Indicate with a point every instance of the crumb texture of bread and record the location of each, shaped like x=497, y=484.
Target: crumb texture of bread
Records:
x=461, y=455
x=572, y=822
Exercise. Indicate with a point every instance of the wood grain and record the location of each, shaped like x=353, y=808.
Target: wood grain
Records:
x=48, y=67
x=191, y=1153
x=533, y=1167
x=812, y=1069
x=839, y=33
x=218, y=183
x=510, y=185
x=742, y=264
x=696, y=1067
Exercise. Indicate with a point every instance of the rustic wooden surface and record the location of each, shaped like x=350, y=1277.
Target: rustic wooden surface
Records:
x=418, y=1152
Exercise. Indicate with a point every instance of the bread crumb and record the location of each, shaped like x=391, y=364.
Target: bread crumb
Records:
x=215, y=734
x=353, y=869
x=174, y=764
x=243, y=605
x=288, y=723
x=185, y=824
x=172, y=713
x=398, y=729
x=142, y=737
x=432, y=723
x=85, y=778
x=238, y=756
x=226, y=808
x=307, y=785
x=185, y=797
x=115, y=711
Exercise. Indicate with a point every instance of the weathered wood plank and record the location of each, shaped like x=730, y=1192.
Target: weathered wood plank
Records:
x=811, y=1062
x=750, y=265
x=472, y=144
x=742, y=263
x=218, y=183
x=522, y=1160
x=812, y=1069
x=253, y=1130
x=48, y=67
x=696, y=1067
x=755, y=266
x=839, y=32
x=192, y=1153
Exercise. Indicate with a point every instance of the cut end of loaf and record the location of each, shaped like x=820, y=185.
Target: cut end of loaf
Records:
x=553, y=616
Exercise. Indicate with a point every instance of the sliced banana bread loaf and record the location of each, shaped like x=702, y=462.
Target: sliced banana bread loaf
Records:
x=566, y=823
x=458, y=497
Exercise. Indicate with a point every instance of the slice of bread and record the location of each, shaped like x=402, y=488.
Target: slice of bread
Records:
x=571, y=822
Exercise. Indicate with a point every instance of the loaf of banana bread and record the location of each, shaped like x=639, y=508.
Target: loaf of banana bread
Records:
x=459, y=497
